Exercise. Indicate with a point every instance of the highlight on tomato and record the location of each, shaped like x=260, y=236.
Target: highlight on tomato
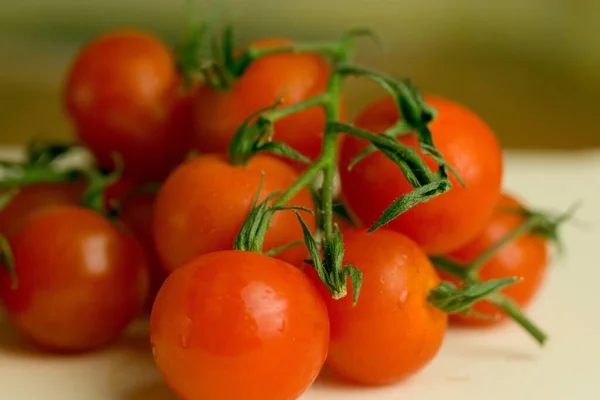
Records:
x=239, y=325
x=30, y=199
x=450, y=220
x=202, y=205
x=122, y=93
x=79, y=290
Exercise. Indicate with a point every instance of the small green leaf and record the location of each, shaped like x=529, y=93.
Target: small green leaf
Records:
x=363, y=32
x=8, y=262
x=451, y=299
x=94, y=196
x=313, y=250
x=7, y=197
x=409, y=200
x=41, y=153
x=252, y=233
x=360, y=156
x=439, y=159
x=292, y=207
x=356, y=276
x=281, y=149
x=228, y=47
x=334, y=251
x=249, y=136
x=281, y=249
x=409, y=173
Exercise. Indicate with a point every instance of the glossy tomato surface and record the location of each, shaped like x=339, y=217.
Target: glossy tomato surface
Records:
x=237, y=325
x=81, y=280
x=30, y=199
x=525, y=257
x=449, y=220
x=292, y=77
x=123, y=94
x=392, y=332
x=203, y=204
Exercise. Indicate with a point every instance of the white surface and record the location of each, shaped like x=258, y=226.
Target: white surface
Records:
x=500, y=363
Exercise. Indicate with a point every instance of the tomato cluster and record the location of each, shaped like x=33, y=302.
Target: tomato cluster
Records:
x=253, y=281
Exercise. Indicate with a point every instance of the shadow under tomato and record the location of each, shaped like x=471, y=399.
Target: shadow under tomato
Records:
x=13, y=343
x=151, y=391
x=489, y=346
x=135, y=340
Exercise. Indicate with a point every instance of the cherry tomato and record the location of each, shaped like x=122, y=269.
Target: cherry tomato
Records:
x=122, y=93
x=238, y=325
x=136, y=212
x=525, y=257
x=392, y=332
x=452, y=219
x=81, y=280
x=293, y=77
x=203, y=204
x=30, y=199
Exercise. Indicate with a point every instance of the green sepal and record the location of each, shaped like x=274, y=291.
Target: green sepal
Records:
x=406, y=202
x=451, y=299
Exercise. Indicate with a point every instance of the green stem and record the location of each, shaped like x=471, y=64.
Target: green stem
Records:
x=280, y=113
x=414, y=163
x=476, y=264
x=304, y=180
x=332, y=113
x=30, y=176
x=512, y=310
x=453, y=268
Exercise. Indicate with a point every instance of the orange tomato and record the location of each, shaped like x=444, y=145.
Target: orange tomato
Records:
x=295, y=77
x=525, y=257
x=236, y=325
x=122, y=93
x=80, y=286
x=203, y=204
x=450, y=220
x=30, y=199
x=392, y=332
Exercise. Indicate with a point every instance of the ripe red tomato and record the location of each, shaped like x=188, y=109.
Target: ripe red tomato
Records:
x=238, y=325
x=78, y=287
x=203, y=204
x=392, y=332
x=30, y=199
x=525, y=257
x=295, y=77
x=137, y=211
x=453, y=218
x=122, y=93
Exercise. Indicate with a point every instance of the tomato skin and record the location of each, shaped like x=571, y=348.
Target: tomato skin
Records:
x=136, y=212
x=236, y=325
x=525, y=257
x=296, y=77
x=122, y=93
x=203, y=204
x=30, y=199
x=392, y=332
x=449, y=220
x=78, y=289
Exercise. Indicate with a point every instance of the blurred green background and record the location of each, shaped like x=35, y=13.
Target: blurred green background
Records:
x=531, y=68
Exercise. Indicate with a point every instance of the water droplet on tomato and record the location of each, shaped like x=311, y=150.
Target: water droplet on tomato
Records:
x=183, y=342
